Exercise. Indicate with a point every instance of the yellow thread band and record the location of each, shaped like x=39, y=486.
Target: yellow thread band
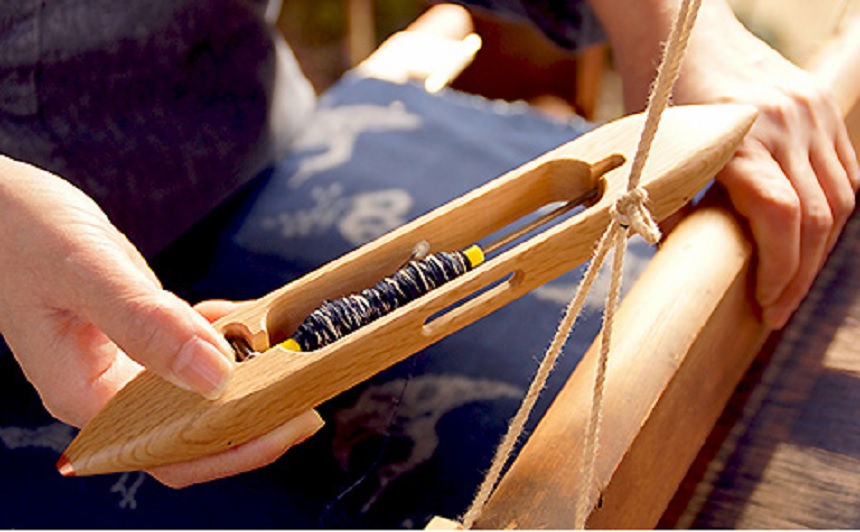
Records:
x=475, y=255
x=291, y=345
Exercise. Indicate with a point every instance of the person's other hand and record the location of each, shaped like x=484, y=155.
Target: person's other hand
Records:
x=83, y=314
x=794, y=177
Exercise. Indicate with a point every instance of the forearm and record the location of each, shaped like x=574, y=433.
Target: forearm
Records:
x=637, y=29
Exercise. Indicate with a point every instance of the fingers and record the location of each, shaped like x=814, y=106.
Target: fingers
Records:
x=838, y=187
x=819, y=164
x=848, y=158
x=89, y=371
x=817, y=229
x=88, y=368
x=254, y=454
x=75, y=368
x=215, y=309
x=797, y=198
x=795, y=175
x=761, y=194
x=150, y=325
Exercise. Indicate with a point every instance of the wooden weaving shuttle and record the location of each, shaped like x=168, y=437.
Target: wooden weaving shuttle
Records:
x=151, y=422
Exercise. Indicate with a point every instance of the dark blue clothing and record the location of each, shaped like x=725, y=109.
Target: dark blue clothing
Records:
x=160, y=110
x=157, y=109
x=569, y=23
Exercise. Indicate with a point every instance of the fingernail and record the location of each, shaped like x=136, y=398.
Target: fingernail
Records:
x=203, y=368
x=776, y=317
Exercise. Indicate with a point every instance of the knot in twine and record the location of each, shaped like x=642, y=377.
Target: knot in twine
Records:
x=631, y=213
x=628, y=212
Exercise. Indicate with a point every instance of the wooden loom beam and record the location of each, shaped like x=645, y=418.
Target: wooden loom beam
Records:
x=675, y=363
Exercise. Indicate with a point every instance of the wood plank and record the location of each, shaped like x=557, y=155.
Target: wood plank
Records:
x=786, y=452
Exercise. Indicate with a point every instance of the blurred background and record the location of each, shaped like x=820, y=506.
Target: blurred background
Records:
x=332, y=36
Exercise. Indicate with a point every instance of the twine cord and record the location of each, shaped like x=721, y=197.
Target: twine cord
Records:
x=515, y=428
x=629, y=213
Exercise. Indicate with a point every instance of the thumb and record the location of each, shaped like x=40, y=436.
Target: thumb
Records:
x=153, y=326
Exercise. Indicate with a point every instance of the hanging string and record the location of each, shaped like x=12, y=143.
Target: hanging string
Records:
x=515, y=428
x=661, y=90
x=629, y=213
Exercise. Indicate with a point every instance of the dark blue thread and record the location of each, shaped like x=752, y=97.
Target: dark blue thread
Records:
x=334, y=319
